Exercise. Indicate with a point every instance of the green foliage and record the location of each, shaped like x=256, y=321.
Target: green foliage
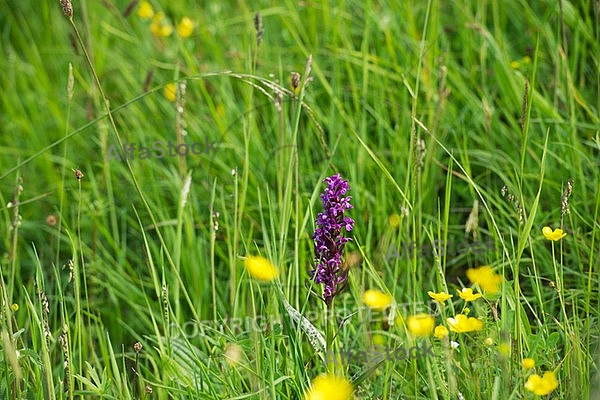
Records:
x=427, y=108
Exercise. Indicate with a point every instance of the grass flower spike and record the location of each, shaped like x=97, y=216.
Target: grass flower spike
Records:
x=554, y=235
x=260, y=268
x=542, y=385
x=329, y=239
x=440, y=297
x=377, y=300
x=329, y=387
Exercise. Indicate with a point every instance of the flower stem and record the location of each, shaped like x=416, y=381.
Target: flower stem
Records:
x=330, y=340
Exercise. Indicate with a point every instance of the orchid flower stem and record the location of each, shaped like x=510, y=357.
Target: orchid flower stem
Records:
x=331, y=349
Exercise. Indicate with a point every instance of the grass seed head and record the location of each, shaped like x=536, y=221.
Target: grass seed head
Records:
x=67, y=8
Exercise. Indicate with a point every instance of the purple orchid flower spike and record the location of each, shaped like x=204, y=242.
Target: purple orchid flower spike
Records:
x=329, y=238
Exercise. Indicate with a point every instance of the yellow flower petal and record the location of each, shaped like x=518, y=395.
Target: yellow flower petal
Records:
x=377, y=300
x=528, y=363
x=329, y=387
x=145, y=11
x=485, y=278
x=440, y=332
x=170, y=91
x=161, y=27
x=420, y=325
x=394, y=220
x=462, y=324
x=504, y=348
x=542, y=385
x=555, y=235
x=467, y=294
x=260, y=268
x=185, y=27
x=440, y=297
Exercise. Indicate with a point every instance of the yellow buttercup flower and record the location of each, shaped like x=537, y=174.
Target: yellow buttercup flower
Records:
x=420, y=325
x=515, y=64
x=440, y=332
x=170, y=91
x=185, y=27
x=504, y=348
x=145, y=11
x=485, y=278
x=260, y=268
x=394, y=220
x=329, y=387
x=542, y=385
x=14, y=307
x=554, y=235
x=161, y=27
x=377, y=300
x=528, y=363
x=467, y=294
x=462, y=324
x=440, y=297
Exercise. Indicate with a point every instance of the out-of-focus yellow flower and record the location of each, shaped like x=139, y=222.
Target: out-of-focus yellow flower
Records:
x=462, y=324
x=516, y=64
x=377, y=300
x=185, y=27
x=14, y=307
x=466, y=311
x=504, y=348
x=394, y=220
x=170, y=91
x=440, y=297
x=420, y=325
x=542, y=385
x=485, y=278
x=260, y=268
x=329, y=387
x=440, y=332
x=467, y=294
x=528, y=363
x=379, y=340
x=145, y=11
x=555, y=235
x=160, y=26
x=488, y=341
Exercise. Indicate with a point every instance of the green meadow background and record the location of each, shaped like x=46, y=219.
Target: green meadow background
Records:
x=428, y=108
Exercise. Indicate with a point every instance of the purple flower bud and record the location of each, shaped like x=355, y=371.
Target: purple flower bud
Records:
x=329, y=238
